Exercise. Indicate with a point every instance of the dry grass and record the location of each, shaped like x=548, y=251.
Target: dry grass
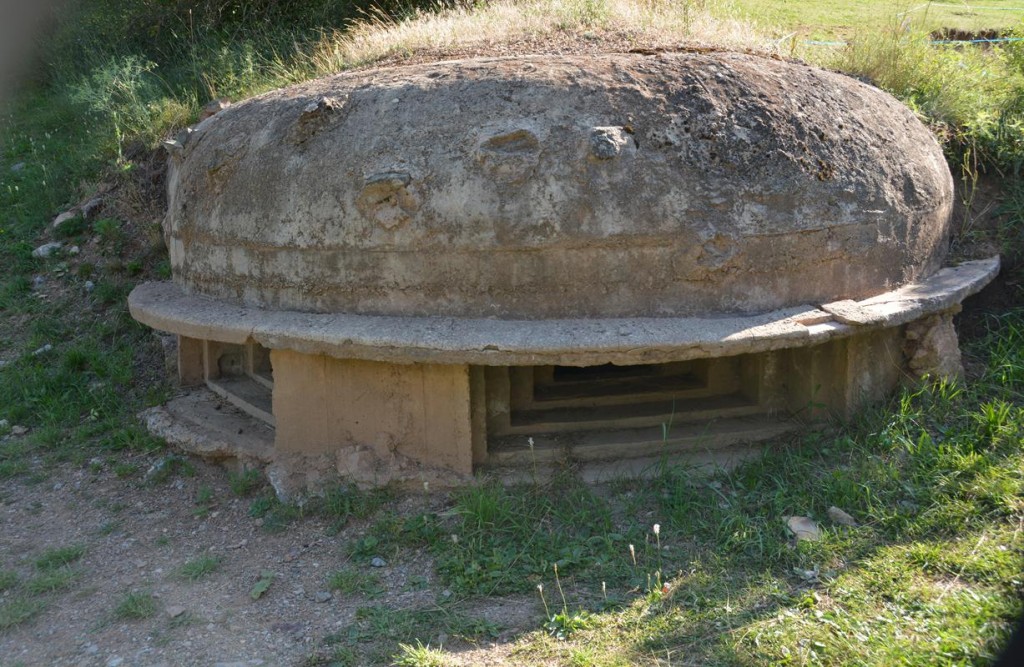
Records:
x=516, y=26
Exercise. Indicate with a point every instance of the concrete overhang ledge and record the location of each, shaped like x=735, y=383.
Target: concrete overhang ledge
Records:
x=566, y=342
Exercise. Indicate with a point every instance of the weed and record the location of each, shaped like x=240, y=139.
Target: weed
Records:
x=19, y=609
x=199, y=568
x=167, y=467
x=246, y=482
x=352, y=582
x=50, y=581
x=110, y=232
x=563, y=624
x=262, y=585
x=125, y=470
x=419, y=656
x=274, y=514
x=53, y=559
x=135, y=606
x=204, y=498
x=8, y=580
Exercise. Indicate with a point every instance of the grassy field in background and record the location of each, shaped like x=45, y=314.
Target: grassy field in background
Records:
x=828, y=19
x=932, y=574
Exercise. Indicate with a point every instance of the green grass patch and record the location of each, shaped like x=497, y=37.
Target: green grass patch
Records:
x=8, y=580
x=246, y=482
x=135, y=606
x=419, y=656
x=50, y=581
x=199, y=568
x=58, y=557
x=350, y=581
x=19, y=609
x=378, y=632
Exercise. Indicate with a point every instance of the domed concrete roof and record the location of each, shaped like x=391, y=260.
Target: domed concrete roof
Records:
x=675, y=184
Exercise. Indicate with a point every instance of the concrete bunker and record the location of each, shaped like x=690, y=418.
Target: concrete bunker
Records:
x=418, y=272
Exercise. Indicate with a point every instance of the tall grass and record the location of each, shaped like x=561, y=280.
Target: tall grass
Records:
x=523, y=23
x=972, y=96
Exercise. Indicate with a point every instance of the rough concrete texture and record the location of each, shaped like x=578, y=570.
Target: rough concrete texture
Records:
x=374, y=422
x=674, y=184
x=491, y=342
x=932, y=348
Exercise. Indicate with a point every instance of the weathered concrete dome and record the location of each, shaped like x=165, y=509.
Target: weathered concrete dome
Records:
x=419, y=273
x=676, y=184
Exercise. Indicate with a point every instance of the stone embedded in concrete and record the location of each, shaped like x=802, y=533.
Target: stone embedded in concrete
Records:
x=932, y=347
x=680, y=184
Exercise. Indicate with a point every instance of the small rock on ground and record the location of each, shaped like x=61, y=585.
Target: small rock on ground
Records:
x=377, y=561
x=839, y=516
x=804, y=528
x=47, y=249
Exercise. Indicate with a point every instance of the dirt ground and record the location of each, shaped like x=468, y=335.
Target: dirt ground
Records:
x=137, y=536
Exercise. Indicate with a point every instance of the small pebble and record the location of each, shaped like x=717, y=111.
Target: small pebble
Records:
x=18, y=166
x=38, y=282
x=17, y=429
x=322, y=596
x=377, y=561
x=43, y=350
x=89, y=286
x=174, y=611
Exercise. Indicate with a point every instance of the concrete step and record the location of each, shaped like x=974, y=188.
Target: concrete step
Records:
x=637, y=415
x=636, y=442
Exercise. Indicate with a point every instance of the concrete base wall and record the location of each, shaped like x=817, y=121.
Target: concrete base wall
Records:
x=419, y=411
x=841, y=376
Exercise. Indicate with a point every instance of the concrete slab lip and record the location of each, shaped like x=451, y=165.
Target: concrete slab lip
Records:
x=568, y=342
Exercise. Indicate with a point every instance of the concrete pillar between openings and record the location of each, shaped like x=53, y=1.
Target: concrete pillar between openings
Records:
x=420, y=411
x=840, y=377
x=190, y=362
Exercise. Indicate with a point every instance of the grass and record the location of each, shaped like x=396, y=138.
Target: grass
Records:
x=355, y=582
x=59, y=557
x=935, y=478
x=18, y=610
x=199, y=568
x=22, y=600
x=830, y=20
x=8, y=580
x=379, y=632
x=135, y=606
x=419, y=656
